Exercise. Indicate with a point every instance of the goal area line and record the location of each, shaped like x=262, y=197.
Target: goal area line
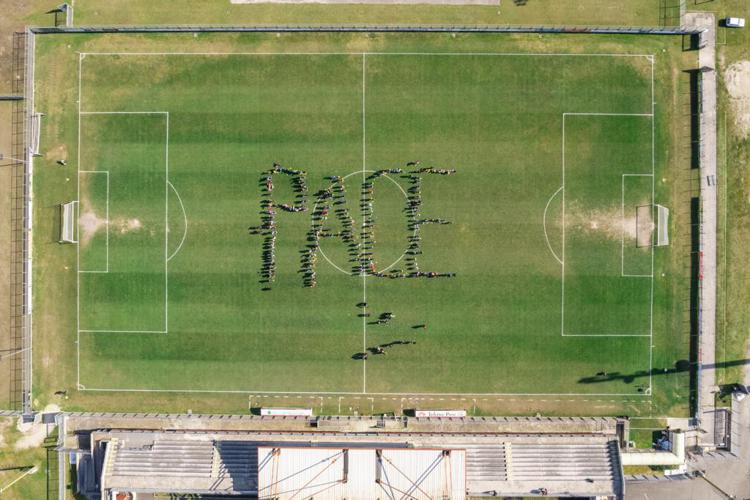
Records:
x=106, y=222
x=652, y=204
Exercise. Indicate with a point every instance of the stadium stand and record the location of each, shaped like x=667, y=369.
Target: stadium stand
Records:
x=282, y=464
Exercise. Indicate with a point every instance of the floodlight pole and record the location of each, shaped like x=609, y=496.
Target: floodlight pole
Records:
x=19, y=351
x=18, y=160
x=31, y=470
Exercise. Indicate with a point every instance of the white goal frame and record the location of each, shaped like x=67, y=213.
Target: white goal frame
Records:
x=662, y=226
x=68, y=222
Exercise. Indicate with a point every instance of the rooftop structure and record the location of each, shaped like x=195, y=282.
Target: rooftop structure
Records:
x=338, y=465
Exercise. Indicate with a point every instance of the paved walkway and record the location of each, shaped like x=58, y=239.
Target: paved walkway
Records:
x=707, y=301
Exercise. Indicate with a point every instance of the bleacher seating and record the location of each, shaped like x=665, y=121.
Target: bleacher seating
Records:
x=231, y=464
x=564, y=462
x=486, y=463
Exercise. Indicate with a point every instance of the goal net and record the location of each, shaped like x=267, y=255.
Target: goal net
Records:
x=67, y=222
x=662, y=226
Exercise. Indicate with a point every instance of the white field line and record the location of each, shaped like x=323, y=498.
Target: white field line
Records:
x=622, y=232
x=30, y=240
x=405, y=395
x=623, y=274
x=167, y=185
x=122, y=331
x=726, y=236
x=166, y=226
x=106, y=221
x=124, y=112
x=562, y=312
x=184, y=218
x=364, y=273
x=606, y=335
x=607, y=114
x=363, y=54
x=653, y=201
x=562, y=270
x=522, y=54
x=544, y=225
x=76, y=214
x=78, y=247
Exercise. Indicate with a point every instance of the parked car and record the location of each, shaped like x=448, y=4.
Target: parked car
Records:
x=735, y=22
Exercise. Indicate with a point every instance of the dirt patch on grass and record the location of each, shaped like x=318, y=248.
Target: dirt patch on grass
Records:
x=611, y=224
x=89, y=224
x=644, y=225
x=737, y=80
x=124, y=226
x=33, y=432
x=58, y=153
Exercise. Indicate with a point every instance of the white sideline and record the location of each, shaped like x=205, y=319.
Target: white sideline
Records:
x=78, y=247
x=463, y=395
x=106, y=223
x=548, y=54
x=653, y=201
x=647, y=393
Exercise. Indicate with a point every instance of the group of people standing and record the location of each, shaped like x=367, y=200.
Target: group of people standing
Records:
x=360, y=250
x=414, y=223
x=334, y=195
x=381, y=349
x=267, y=227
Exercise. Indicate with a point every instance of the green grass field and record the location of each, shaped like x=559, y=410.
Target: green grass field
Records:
x=477, y=114
x=554, y=152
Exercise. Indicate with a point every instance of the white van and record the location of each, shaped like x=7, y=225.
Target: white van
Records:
x=735, y=22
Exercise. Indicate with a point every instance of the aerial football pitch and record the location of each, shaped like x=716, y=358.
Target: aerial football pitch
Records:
x=382, y=223
x=523, y=268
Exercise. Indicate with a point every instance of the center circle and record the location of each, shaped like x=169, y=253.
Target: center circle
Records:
x=362, y=173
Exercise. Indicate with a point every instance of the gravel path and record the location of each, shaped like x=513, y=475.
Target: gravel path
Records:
x=707, y=302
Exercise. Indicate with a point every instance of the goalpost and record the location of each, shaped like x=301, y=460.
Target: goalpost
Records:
x=67, y=222
x=650, y=232
x=662, y=226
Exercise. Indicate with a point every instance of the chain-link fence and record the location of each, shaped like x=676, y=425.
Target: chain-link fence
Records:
x=367, y=28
